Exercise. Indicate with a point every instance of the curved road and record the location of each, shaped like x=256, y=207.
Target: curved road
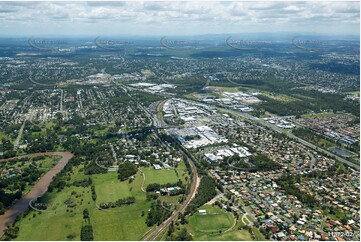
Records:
x=192, y=192
x=36, y=191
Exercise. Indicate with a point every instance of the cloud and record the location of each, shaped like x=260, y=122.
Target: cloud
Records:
x=190, y=15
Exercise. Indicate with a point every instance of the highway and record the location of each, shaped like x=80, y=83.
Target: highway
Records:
x=28, y=117
x=21, y=131
x=290, y=135
x=38, y=83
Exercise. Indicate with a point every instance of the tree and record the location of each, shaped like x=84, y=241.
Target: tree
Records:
x=206, y=191
x=343, y=220
x=153, y=187
x=157, y=214
x=87, y=233
x=183, y=235
x=85, y=213
x=2, y=209
x=11, y=233
x=170, y=229
x=126, y=170
x=182, y=218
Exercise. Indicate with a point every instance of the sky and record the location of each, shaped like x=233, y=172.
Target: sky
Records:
x=177, y=18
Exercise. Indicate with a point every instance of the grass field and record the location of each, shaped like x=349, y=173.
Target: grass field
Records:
x=232, y=235
x=218, y=225
x=101, y=130
x=216, y=219
x=322, y=115
x=169, y=199
x=48, y=162
x=258, y=235
x=280, y=97
x=124, y=223
x=108, y=187
x=192, y=96
x=127, y=223
x=165, y=175
x=182, y=171
x=235, y=235
x=78, y=174
x=356, y=93
x=60, y=224
x=121, y=223
x=224, y=89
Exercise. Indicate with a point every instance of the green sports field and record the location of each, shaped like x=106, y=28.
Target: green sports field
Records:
x=218, y=225
x=216, y=219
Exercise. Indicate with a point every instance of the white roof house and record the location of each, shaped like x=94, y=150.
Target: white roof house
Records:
x=202, y=212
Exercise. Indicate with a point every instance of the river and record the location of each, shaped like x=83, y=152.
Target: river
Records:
x=36, y=191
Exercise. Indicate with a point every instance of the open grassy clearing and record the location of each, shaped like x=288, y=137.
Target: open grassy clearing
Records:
x=280, y=97
x=182, y=171
x=234, y=234
x=258, y=235
x=248, y=89
x=78, y=174
x=101, y=130
x=169, y=199
x=323, y=115
x=47, y=163
x=165, y=176
x=127, y=223
x=325, y=143
x=224, y=89
x=218, y=225
x=62, y=224
x=216, y=219
x=158, y=176
x=356, y=93
x=123, y=223
x=120, y=223
x=192, y=96
x=108, y=187
x=242, y=235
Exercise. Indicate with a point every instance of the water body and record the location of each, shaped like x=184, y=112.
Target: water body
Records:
x=341, y=152
x=38, y=189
